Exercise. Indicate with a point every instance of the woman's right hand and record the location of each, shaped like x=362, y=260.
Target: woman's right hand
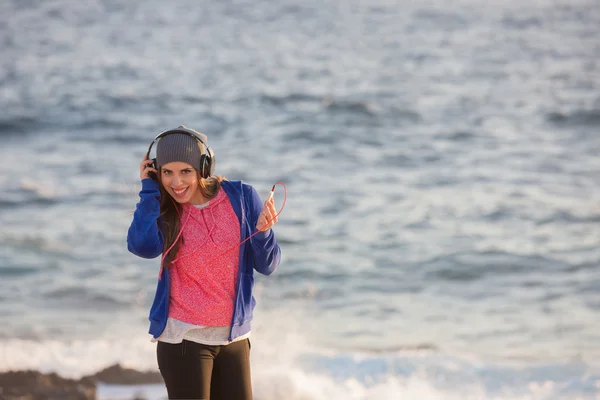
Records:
x=146, y=169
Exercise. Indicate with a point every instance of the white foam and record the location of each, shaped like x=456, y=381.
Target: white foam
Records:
x=76, y=358
x=280, y=370
x=288, y=362
x=300, y=385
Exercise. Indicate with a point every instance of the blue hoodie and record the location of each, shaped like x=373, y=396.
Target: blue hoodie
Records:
x=260, y=253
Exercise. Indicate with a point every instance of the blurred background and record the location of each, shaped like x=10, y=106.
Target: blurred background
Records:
x=441, y=233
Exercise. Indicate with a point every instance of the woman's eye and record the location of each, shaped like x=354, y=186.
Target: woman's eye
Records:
x=186, y=171
x=167, y=172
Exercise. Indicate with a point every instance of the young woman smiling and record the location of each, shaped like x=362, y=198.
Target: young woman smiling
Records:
x=212, y=234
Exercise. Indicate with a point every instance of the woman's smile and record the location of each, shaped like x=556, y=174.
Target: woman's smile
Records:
x=180, y=192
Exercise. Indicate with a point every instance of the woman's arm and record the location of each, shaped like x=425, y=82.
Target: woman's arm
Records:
x=144, y=238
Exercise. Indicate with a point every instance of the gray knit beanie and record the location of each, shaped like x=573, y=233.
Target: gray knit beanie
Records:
x=179, y=147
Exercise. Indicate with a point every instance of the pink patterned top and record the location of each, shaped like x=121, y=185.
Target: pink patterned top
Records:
x=204, y=275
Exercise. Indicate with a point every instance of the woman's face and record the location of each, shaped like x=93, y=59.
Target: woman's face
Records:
x=180, y=180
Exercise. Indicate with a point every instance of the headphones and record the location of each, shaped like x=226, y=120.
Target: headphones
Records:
x=207, y=158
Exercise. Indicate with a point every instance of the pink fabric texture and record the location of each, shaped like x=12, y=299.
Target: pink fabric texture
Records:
x=204, y=276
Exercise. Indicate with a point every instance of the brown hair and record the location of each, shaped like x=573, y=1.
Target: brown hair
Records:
x=170, y=212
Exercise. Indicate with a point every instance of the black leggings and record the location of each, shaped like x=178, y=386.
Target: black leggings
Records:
x=201, y=372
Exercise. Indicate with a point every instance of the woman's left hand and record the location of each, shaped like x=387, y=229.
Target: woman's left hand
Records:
x=267, y=217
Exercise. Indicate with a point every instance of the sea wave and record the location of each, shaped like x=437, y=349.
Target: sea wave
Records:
x=582, y=117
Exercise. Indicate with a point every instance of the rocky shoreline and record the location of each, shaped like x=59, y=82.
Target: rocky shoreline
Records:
x=34, y=385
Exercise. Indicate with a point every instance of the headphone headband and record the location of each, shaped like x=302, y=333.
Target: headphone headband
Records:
x=181, y=129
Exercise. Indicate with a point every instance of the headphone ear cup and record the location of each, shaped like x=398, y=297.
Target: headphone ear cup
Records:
x=210, y=161
x=203, y=170
x=152, y=175
x=207, y=163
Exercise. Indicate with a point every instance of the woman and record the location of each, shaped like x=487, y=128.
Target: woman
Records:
x=203, y=304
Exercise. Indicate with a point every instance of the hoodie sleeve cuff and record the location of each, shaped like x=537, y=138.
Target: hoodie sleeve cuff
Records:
x=149, y=184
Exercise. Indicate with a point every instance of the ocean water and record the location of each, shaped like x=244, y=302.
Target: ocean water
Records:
x=441, y=233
